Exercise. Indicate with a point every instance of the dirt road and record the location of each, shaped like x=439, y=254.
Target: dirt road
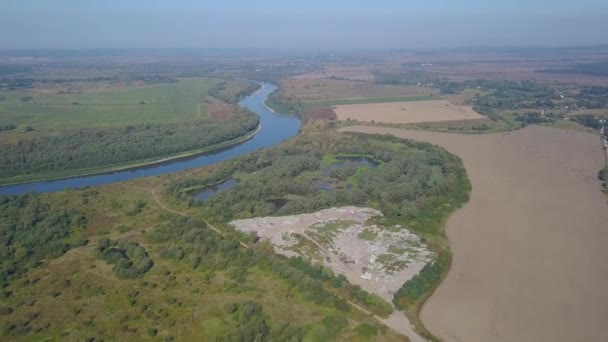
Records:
x=396, y=321
x=530, y=248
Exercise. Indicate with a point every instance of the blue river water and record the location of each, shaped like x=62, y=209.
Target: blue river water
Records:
x=275, y=128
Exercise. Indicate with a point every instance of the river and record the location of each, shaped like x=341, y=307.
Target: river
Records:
x=275, y=128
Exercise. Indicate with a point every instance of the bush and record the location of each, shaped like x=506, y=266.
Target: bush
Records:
x=130, y=260
x=367, y=330
x=152, y=332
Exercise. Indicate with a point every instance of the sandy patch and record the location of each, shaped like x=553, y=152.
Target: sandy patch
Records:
x=530, y=247
x=406, y=112
x=379, y=259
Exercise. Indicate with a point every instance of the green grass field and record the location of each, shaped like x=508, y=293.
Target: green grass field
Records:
x=165, y=103
x=364, y=100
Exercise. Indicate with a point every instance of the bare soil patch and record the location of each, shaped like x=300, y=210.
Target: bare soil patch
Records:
x=218, y=110
x=406, y=112
x=529, y=249
x=328, y=89
x=320, y=113
x=379, y=259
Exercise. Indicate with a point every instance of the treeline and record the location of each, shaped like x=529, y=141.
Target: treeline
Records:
x=603, y=175
x=420, y=284
x=513, y=95
x=503, y=94
x=191, y=241
x=17, y=83
x=531, y=118
x=587, y=120
x=285, y=105
x=130, y=260
x=411, y=173
x=109, y=146
x=594, y=69
x=31, y=231
x=232, y=95
x=594, y=97
x=444, y=85
x=7, y=127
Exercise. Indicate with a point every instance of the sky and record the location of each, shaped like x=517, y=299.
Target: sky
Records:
x=308, y=24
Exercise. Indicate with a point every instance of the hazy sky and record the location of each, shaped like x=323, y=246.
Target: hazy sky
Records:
x=286, y=24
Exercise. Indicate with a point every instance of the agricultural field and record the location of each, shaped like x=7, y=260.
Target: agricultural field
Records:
x=181, y=101
x=53, y=135
x=344, y=72
x=528, y=248
x=406, y=112
x=307, y=90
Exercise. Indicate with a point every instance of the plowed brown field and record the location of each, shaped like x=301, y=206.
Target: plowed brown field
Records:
x=530, y=249
x=406, y=112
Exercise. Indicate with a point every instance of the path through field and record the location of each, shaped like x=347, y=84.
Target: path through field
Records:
x=530, y=248
x=396, y=321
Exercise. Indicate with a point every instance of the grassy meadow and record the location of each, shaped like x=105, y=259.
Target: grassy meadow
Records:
x=163, y=103
x=49, y=134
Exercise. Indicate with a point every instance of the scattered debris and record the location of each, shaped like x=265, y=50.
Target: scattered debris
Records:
x=379, y=259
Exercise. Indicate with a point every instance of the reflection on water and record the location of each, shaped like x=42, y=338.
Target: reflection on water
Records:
x=212, y=190
x=275, y=128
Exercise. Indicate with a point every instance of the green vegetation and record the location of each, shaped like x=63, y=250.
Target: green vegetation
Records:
x=285, y=105
x=399, y=187
x=603, y=176
x=7, y=127
x=595, y=97
x=130, y=260
x=366, y=330
x=70, y=153
x=112, y=129
x=117, y=107
x=202, y=285
x=594, y=69
x=587, y=120
x=419, y=285
x=415, y=185
x=368, y=234
x=31, y=231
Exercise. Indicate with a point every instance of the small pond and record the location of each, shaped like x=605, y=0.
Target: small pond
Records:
x=212, y=190
x=329, y=184
x=356, y=161
x=278, y=203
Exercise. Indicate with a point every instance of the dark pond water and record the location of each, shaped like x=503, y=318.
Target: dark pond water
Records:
x=329, y=184
x=275, y=129
x=278, y=203
x=212, y=190
x=353, y=160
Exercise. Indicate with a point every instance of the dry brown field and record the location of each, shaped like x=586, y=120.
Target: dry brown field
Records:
x=529, y=249
x=355, y=73
x=406, y=112
x=328, y=89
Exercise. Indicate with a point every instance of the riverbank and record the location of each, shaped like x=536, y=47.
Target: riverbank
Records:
x=276, y=128
x=129, y=166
